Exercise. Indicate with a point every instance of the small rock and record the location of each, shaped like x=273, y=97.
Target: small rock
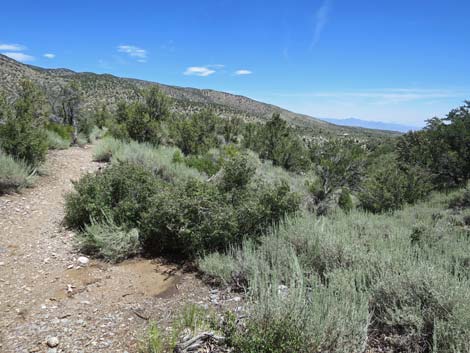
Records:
x=52, y=350
x=52, y=342
x=82, y=260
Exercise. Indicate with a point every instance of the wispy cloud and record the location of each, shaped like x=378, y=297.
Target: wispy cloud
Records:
x=49, y=56
x=198, y=71
x=12, y=47
x=134, y=52
x=384, y=95
x=321, y=19
x=243, y=72
x=19, y=56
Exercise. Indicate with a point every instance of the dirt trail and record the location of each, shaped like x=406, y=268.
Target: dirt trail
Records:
x=44, y=292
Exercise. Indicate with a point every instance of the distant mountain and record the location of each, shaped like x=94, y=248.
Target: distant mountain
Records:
x=379, y=125
x=108, y=89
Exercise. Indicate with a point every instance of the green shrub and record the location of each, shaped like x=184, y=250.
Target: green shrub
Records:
x=106, y=148
x=345, y=200
x=22, y=134
x=96, y=134
x=120, y=193
x=154, y=341
x=158, y=159
x=197, y=134
x=218, y=266
x=462, y=200
x=109, y=241
x=238, y=171
x=388, y=187
x=64, y=131
x=56, y=142
x=188, y=219
x=14, y=175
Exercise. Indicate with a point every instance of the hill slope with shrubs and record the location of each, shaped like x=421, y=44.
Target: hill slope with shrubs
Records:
x=110, y=90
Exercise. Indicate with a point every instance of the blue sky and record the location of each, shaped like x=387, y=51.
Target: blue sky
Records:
x=388, y=60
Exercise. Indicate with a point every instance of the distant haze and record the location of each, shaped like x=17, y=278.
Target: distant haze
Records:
x=379, y=125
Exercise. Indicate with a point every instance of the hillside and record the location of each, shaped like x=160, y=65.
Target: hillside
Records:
x=109, y=89
x=379, y=125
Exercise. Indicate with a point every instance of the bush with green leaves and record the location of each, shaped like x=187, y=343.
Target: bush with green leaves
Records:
x=462, y=200
x=345, y=201
x=388, y=188
x=120, y=193
x=196, y=134
x=442, y=148
x=187, y=219
x=22, y=133
x=142, y=120
x=278, y=142
x=14, y=175
x=56, y=142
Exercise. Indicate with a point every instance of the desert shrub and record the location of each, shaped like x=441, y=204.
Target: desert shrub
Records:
x=109, y=241
x=97, y=134
x=442, y=148
x=345, y=200
x=218, y=266
x=396, y=281
x=154, y=341
x=388, y=187
x=106, y=148
x=277, y=141
x=204, y=164
x=22, y=134
x=187, y=219
x=56, y=142
x=14, y=174
x=462, y=200
x=64, y=131
x=196, y=134
x=417, y=313
x=192, y=217
x=238, y=171
x=158, y=159
x=120, y=193
x=141, y=120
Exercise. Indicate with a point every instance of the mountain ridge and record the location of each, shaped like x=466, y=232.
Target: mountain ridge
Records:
x=110, y=89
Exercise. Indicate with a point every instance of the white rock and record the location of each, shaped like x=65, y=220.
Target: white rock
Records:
x=82, y=260
x=52, y=342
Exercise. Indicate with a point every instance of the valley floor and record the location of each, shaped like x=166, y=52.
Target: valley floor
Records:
x=45, y=292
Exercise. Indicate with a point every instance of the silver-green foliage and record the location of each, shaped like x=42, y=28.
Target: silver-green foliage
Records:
x=159, y=159
x=109, y=241
x=14, y=174
x=344, y=282
x=56, y=142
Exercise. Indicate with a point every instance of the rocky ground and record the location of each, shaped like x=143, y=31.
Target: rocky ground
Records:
x=53, y=299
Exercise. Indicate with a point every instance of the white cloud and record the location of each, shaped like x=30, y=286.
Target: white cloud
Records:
x=12, y=47
x=321, y=19
x=134, y=52
x=49, y=55
x=198, y=71
x=243, y=72
x=383, y=96
x=19, y=56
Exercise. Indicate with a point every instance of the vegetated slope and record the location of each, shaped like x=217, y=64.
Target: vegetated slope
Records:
x=109, y=89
